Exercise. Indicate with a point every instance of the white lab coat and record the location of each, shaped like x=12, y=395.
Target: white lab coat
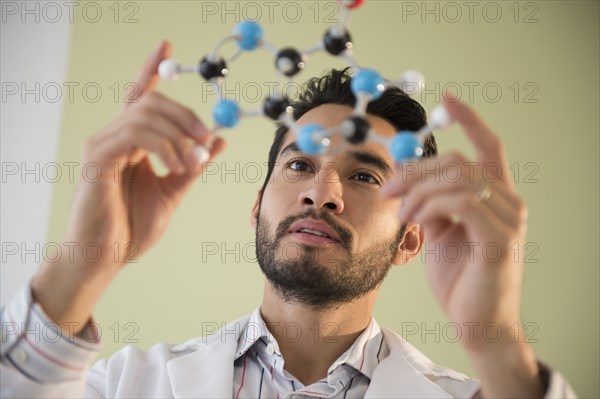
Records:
x=203, y=368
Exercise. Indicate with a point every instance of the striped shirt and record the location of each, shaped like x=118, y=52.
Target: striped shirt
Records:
x=38, y=348
x=259, y=368
x=56, y=362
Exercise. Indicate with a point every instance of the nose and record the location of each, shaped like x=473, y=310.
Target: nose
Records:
x=324, y=191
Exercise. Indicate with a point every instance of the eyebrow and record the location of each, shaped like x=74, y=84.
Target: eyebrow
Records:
x=292, y=147
x=360, y=156
x=373, y=160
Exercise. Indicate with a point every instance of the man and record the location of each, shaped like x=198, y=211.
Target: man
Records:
x=327, y=231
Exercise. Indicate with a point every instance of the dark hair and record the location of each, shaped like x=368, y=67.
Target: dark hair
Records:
x=394, y=106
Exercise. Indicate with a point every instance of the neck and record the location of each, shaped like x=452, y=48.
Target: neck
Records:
x=311, y=340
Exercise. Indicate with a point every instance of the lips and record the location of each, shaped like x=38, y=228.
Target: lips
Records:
x=315, y=228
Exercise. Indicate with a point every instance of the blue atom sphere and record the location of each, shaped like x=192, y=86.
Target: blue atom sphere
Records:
x=250, y=33
x=367, y=81
x=308, y=139
x=405, y=146
x=226, y=113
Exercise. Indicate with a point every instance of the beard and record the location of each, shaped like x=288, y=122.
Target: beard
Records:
x=314, y=278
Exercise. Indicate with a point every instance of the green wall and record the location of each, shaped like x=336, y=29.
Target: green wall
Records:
x=543, y=56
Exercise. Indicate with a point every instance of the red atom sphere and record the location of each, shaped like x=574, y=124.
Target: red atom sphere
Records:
x=351, y=4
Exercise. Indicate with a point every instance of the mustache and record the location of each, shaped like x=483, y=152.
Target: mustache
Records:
x=325, y=216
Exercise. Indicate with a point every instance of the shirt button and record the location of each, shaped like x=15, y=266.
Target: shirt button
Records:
x=271, y=349
x=19, y=355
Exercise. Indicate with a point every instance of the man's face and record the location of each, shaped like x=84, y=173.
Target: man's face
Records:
x=324, y=234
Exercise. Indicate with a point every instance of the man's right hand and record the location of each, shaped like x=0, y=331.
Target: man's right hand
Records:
x=126, y=210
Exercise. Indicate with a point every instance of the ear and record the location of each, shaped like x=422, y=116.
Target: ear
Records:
x=411, y=244
x=254, y=215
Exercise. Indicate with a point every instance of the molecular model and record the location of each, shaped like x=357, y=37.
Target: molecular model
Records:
x=312, y=139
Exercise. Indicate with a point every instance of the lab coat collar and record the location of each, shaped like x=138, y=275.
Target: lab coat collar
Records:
x=207, y=372
x=406, y=373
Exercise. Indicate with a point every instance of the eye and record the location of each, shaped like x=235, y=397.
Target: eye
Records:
x=298, y=165
x=365, y=178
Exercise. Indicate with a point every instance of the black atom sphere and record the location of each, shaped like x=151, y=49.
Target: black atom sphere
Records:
x=211, y=69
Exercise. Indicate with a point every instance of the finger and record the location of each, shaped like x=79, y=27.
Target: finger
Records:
x=436, y=229
x=174, y=186
x=480, y=222
x=488, y=147
x=410, y=174
x=416, y=198
x=133, y=137
x=507, y=205
x=182, y=143
x=501, y=202
x=502, y=208
x=182, y=116
x=148, y=76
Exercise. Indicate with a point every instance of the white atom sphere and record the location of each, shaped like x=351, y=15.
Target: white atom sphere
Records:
x=440, y=118
x=411, y=82
x=168, y=69
x=201, y=153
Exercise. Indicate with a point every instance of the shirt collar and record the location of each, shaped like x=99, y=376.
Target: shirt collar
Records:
x=254, y=330
x=366, y=352
x=364, y=355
